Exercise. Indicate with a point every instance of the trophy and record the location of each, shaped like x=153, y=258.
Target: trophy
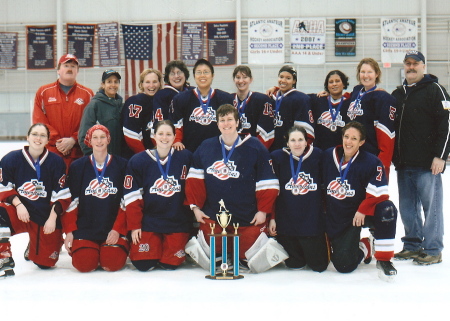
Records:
x=224, y=220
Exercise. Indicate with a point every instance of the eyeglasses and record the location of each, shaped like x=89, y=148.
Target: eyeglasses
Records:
x=205, y=72
x=178, y=73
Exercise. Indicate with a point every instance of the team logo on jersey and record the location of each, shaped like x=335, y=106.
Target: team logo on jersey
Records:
x=54, y=255
x=326, y=120
x=32, y=190
x=354, y=110
x=223, y=171
x=180, y=254
x=79, y=101
x=201, y=118
x=277, y=122
x=340, y=190
x=304, y=184
x=165, y=188
x=144, y=247
x=102, y=190
x=244, y=123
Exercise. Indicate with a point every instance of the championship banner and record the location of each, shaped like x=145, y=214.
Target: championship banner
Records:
x=147, y=46
x=192, y=42
x=41, y=47
x=221, y=43
x=266, y=41
x=345, y=37
x=108, y=44
x=8, y=50
x=80, y=42
x=397, y=37
x=308, y=40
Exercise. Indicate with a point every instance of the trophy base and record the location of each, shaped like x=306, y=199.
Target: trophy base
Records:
x=227, y=276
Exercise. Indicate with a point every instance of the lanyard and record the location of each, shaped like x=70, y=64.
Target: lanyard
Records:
x=202, y=104
x=344, y=175
x=243, y=104
x=334, y=112
x=165, y=173
x=297, y=171
x=37, y=166
x=225, y=157
x=361, y=95
x=102, y=174
x=278, y=100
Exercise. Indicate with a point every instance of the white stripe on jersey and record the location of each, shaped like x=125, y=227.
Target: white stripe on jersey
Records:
x=131, y=134
x=267, y=184
x=73, y=205
x=133, y=196
x=196, y=173
x=377, y=191
x=264, y=135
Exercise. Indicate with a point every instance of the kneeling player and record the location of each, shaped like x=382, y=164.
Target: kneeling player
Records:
x=95, y=222
x=237, y=170
x=154, y=194
x=357, y=196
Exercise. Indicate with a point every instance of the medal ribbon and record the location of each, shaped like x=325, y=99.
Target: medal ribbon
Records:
x=278, y=100
x=37, y=166
x=165, y=173
x=361, y=94
x=202, y=104
x=102, y=174
x=344, y=175
x=224, y=154
x=297, y=171
x=242, y=105
x=334, y=112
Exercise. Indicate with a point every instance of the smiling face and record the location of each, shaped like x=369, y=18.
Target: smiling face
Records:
x=367, y=76
x=177, y=78
x=286, y=81
x=68, y=72
x=111, y=86
x=414, y=70
x=351, y=142
x=228, y=124
x=37, y=138
x=203, y=77
x=242, y=82
x=99, y=141
x=164, y=137
x=297, y=143
x=151, y=84
x=335, y=86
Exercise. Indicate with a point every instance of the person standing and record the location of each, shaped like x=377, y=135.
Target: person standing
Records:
x=60, y=106
x=422, y=146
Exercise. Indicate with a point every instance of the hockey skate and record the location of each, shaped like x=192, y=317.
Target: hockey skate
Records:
x=386, y=271
x=6, y=267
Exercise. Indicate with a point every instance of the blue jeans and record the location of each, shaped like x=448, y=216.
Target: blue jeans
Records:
x=417, y=189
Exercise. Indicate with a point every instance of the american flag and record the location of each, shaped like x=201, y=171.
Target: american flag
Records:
x=147, y=46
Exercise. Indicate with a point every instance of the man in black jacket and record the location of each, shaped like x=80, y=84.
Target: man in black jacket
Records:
x=421, y=148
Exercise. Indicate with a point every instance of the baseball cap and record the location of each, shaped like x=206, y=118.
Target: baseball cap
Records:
x=416, y=55
x=68, y=57
x=109, y=73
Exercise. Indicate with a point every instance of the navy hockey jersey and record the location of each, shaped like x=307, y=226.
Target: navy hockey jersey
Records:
x=363, y=188
x=162, y=102
x=95, y=206
x=155, y=204
x=192, y=124
x=38, y=186
x=246, y=183
x=295, y=108
x=137, y=117
x=328, y=133
x=298, y=210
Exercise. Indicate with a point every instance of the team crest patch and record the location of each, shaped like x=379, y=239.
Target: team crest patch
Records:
x=32, y=190
x=354, y=110
x=223, y=171
x=102, y=190
x=54, y=255
x=180, y=254
x=51, y=99
x=201, y=118
x=277, y=122
x=165, y=188
x=304, y=184
x=327, y=121
x=244, y=123
x=144, y=247
x=79, y=101
x=340, y=190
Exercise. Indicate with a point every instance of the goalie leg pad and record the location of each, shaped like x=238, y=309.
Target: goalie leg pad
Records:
x=267, y=256
x=197, y=253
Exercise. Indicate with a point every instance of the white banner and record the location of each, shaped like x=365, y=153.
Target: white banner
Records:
x=398, y=35
x=308, y=40
x=266, y=41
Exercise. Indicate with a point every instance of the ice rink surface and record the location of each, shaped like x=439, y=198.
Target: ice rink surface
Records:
x=62, y=293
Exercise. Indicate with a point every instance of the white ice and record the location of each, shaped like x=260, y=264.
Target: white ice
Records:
x=418, y=292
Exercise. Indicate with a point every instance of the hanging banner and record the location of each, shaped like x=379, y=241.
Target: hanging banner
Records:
x=308, y=40
x=80, y=42
x=345, y=37
x=192, y=42
x=397, y=37
x=221, y=43
x=108, y=44
x=40, y=47
x=266, y=41
x=8, y=50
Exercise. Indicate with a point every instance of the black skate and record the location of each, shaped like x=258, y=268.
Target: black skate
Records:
x=6, y=267
x=27, y=252
x=386, y=270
